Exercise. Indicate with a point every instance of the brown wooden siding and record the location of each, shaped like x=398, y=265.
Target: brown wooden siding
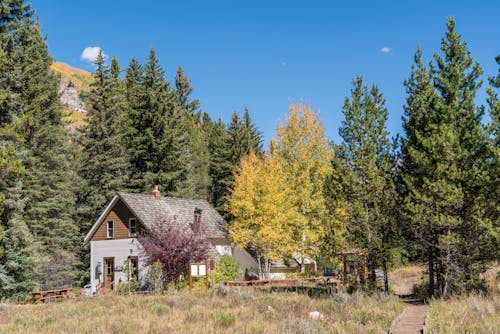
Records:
x=120, y=214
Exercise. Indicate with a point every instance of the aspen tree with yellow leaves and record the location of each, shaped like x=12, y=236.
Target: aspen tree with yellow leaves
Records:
x=306, y=154
x=264, y=206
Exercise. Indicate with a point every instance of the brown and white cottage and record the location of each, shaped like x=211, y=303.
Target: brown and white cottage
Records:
x=113, y=237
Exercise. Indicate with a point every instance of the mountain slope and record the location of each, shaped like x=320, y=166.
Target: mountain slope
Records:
x=75, y=84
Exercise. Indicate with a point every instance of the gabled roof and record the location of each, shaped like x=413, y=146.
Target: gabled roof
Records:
x=149, y=210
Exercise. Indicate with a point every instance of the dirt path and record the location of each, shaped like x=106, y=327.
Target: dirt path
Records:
x=411, y=321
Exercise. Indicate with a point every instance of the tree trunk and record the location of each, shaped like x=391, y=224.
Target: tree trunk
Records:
x=430, y=257
x=386, y=277
x=260, y=267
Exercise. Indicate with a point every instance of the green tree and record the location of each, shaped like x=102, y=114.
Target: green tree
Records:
x=445, y=165
x=227, y=268
x=220, y=164
x=19, y=263
x=243, y=136
x=184, y=91
x=33, y=102
x=198, y=179
x=365, y=174
x=159, y=146
x=106, y=165
x=493, y=205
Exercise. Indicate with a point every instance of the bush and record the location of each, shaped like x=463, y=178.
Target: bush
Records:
x=227, y=269
x=224, y=319
x=122, y=288
x=154, y=278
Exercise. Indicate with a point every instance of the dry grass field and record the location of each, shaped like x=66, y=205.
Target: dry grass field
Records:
x=473, y=314
x=465, y=315
x=242, y=311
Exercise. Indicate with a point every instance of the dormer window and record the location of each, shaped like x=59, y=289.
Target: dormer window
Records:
x=110, y=229
x=132, y=227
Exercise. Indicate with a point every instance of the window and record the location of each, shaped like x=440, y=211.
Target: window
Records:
x=111, y=229
x=132, y=227
x=110, y=266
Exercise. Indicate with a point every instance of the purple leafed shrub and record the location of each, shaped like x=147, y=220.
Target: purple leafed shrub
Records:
x=174, y=245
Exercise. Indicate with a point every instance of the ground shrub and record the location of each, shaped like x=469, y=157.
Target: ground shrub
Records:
x=224, y=319
x=227, y=269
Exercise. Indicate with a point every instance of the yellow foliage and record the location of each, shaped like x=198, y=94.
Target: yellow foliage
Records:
x=74, y=118
x=80, y=78
x=263, y=203
x=307, y=155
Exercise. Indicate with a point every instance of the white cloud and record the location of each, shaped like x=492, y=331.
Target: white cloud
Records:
x=386, y=49
x=90, y=53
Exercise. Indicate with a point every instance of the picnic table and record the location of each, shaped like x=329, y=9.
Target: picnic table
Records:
x=43, y=296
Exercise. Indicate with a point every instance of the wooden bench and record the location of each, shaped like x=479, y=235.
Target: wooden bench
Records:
x=43, y=296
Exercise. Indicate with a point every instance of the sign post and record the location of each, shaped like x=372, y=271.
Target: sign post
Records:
x=198, y=270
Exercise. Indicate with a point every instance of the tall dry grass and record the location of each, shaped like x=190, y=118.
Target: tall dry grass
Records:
x=240, y=311
x=473, y=314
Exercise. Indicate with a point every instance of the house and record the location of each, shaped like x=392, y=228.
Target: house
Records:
x=113, y=237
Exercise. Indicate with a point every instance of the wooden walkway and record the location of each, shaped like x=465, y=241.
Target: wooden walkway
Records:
x=411, y=321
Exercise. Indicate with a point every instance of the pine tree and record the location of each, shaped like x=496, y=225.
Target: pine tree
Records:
x=159, y=146
x=493, y=191
x=445, y=165
x=19, y=262
x=365, y=172
x=106, y=167
x=419, y=160
x=457, y=80
x=243, y=136
x=184, y=91
x=198, y=179
x=220, y=164
x=48, y=184
x=253, y=135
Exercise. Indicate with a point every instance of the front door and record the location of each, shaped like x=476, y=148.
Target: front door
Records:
x=109, y=272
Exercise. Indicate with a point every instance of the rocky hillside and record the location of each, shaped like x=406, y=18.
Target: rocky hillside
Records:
x=75, y=83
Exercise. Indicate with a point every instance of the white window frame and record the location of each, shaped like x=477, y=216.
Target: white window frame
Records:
x=112, y=235
x=130, y=220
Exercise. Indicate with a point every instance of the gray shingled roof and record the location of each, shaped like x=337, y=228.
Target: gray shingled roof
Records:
x=150, y=210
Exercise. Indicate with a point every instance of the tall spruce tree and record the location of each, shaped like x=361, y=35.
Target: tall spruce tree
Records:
x=365, y=174
x=220, y=164
x=19, y=263
x=493, y=205
x=104, y=167
x=457, y=80
x=198, y=179
x=184, y=91
x=159, y=146
x=420, y=158
x=106, y=164
x=48, y=184
x=445, y=165
x=230, y=143
x=243, y=136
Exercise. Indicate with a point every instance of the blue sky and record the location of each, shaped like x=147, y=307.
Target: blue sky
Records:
x=267, y=54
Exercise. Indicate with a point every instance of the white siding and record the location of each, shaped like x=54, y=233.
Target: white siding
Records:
x=246, y=260
x=120, y=249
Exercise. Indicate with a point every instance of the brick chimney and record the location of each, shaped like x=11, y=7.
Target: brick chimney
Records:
x=197, y=220
x=156, y=192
